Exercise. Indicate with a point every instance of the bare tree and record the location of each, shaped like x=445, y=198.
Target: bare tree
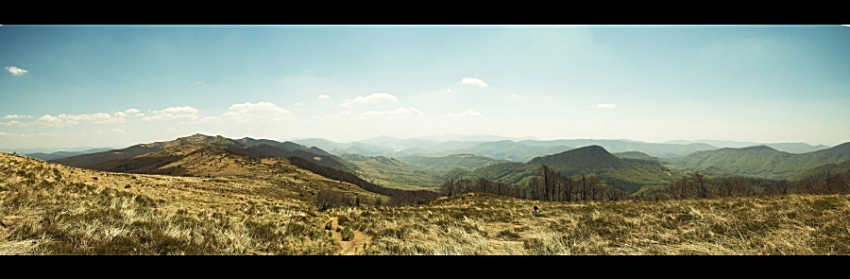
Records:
x=700, y=184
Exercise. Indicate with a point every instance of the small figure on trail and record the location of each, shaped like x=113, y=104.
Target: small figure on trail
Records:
x=536, y=211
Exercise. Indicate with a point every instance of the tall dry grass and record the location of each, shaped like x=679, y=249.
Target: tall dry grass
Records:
x=50, y=209
x=486, y=224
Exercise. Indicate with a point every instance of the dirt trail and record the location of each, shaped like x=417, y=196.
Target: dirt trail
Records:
x=351, y=247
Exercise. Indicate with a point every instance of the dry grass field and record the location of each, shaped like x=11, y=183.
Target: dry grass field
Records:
x=485, y=224
x=264, y=206
x=52, y=209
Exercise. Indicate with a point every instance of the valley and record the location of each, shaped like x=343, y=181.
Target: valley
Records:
x=213, y=195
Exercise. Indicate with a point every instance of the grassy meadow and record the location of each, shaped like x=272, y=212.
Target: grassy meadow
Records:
x=48, y=209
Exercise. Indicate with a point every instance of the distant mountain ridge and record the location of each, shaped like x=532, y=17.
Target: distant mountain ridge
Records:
x=630, y=174
x=653, y=149
x=764, y=161
x=518, y=151
x=63, y=154
x=790, y=147
x=246, y=146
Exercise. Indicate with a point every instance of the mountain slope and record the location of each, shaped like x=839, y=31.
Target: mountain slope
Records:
x=581, y=159
x=55, y=209
x=246, y=146
x=629, y=174
x=653, y=149
x=393, y=173
x=790, y=147
x=764, y=161
x=635, y=155
x=443, y=164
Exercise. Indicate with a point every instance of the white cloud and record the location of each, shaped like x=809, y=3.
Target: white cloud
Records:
x=606, y=106
x=468, y=112
x=338, y=116
x=134, y=112
x=448, y=90
x=74, y=119
x=16, y=71
x=119, y=131
x=261, y=111
x=16, y=116
x=14, y=122
x=210, y=119
x=48, y=119
x=374, y=98
x=173, y=113
x=324, y=97
x=298, y=104
x=371, y=99
x=473, y=82
x=399, y=112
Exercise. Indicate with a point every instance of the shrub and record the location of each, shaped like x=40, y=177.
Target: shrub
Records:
x=347, y=234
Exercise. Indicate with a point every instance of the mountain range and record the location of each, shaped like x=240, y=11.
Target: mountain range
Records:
x=763, y=161
x=422, y=163
x=245, y=146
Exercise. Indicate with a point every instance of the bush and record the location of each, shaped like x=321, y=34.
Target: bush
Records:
x=347, y=234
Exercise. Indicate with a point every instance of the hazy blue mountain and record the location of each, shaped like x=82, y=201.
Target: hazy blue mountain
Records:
x=763, y=160
x=472, y=138
x=660, y=150
x=324, y=144
x=634, y=155
x=398, y=144
x=513, y=151
x=364, y=149
x=790, y=147
x=54, y=150
x=63, y=154
x=444, y=164
x=630, y=174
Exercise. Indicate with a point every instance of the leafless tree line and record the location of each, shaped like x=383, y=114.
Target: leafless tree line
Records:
x=549, y=186
x=696, y=185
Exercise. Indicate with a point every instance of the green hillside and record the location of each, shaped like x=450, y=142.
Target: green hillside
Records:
x=629, y=174
x=635, y=155
x=509, y=173
x=820, y=172
x=660, y=150
x=392, y=173
x=763, y=161
x=509, y=150
x=443, y=164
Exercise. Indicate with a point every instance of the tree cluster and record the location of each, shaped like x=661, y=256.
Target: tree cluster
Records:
x=549, y=186
x=331, y=199
x=696, y=185
x=829, y=182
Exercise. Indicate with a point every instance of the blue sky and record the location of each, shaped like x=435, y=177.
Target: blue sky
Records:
x=114, y=86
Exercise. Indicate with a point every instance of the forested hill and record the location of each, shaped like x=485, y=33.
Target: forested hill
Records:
x=764, y=161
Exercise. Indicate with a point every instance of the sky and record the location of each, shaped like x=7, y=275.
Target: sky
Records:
x=115, y=86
